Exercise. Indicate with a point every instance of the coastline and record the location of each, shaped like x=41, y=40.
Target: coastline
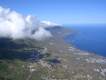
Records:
x=65, y=62
x=76, y=59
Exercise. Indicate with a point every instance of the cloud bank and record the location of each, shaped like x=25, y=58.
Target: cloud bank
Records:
x=17, y=26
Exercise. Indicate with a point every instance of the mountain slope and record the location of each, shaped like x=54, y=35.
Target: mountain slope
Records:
x=51, y=59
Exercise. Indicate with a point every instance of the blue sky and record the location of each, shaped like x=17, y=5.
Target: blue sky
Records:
x=61, y=11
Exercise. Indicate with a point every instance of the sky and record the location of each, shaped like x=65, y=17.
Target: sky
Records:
x=61, y=11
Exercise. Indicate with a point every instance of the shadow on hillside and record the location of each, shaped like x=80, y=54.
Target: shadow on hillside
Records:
x=23, y=55
x=9, y=43
x=10, y=50
x=7, y=51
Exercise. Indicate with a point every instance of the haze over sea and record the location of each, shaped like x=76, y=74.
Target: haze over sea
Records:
x=91, y=38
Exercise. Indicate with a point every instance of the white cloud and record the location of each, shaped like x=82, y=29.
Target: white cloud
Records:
x=49, y=24
x=15, y=25
x=40, y=33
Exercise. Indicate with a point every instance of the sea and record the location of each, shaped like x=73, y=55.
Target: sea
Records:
x=90, y=38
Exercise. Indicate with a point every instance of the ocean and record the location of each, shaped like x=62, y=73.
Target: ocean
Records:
x=90, y=38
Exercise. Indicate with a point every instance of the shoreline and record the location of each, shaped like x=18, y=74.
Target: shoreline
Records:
x=68, y=41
